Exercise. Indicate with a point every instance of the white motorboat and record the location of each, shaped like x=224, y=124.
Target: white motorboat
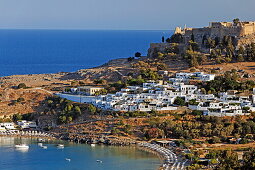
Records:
x=99, y=161
x=61, y=146
x=44, y=147
x=93, y=145
x=22, y=146
x=40, y=144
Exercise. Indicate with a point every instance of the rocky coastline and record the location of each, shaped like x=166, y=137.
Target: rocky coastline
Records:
x=97, y=139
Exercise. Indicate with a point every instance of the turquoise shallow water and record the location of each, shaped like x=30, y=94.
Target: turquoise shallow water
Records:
x=83, y=157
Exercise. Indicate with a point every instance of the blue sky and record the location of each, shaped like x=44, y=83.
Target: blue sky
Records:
x=120, y=14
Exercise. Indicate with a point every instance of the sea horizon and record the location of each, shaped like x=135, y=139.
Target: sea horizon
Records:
x=39, y=51
x=82, y=29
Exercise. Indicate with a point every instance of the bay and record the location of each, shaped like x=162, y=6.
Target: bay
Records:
x=82, y=156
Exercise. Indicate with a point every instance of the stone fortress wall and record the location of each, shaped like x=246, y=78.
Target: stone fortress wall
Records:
x=244, y=32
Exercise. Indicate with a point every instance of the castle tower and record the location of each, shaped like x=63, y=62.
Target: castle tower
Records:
x=178, y=30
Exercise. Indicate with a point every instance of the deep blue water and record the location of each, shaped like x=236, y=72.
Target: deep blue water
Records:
x=51, y=51
x=83, y=157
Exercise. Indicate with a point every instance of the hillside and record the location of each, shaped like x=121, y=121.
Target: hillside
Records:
x=161, y=57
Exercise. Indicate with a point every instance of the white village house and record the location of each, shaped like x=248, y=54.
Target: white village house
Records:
x=185, y=77
x=159, y=95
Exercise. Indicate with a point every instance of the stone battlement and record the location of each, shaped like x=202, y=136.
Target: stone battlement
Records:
x=218, y=30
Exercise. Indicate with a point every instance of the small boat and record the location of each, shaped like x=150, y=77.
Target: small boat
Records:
x=61, y=146
x=99, y=161
x=44, y=147
x=93, y=145
x=40, y=144
x=68, y=159
x=22, y=146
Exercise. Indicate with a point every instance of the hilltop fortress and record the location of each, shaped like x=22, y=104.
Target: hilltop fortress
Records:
x=243, y=32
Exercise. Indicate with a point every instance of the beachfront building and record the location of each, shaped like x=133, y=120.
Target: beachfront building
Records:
x=8, y=126
x=26, y=124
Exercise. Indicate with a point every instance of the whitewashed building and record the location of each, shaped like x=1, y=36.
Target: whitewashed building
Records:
x=8, y=125
x=26, y=124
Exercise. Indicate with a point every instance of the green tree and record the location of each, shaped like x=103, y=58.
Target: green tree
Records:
x=101, y=92
x=197, y=112
x=77, y=111
x=192, y=38
x=62, y=119
x=130, y=58
x=214, y=139
x=175, y=38
x=210, y=43
x=193, y=102
x=69, y=119
x=168, y=40
x=193, y=46
x=138, y=54
x=154, y=133
x=179, y=101
x=92, y=109
x=228, y=161
x=249, y=160
x=203, y=91
x=115, y=131
x=236, y=21
x=16, y=117
x=194, y=62
x=241, y=53
x=163, y=39
x=195, y=58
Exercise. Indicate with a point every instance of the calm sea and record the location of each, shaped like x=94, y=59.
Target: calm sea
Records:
x=82, y=156
x=51, y=51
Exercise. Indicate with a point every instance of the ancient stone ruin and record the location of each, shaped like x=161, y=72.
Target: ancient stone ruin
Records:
x=242, y=32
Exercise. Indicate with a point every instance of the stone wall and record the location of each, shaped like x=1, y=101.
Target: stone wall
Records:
x=157, y=47
x=249, y=29
x=242, y=41
x=243, y=31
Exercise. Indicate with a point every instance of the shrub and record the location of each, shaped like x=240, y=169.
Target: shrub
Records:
x=130, y=58
x=22, y=86
x=197, y=112
x=20, y=99
x=214, y=140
